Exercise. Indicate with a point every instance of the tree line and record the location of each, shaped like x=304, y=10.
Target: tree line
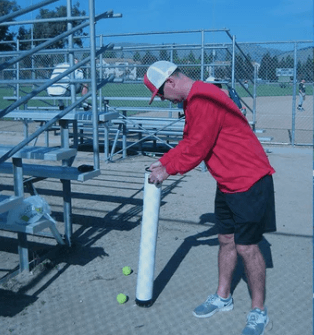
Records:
x=269, y=64
x=219, y=66
x=41, y=30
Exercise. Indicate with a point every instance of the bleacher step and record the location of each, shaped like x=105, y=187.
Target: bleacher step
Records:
x=41, y=153
x=47, y=171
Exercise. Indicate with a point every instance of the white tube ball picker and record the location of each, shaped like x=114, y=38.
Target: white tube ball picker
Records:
x=148, y=242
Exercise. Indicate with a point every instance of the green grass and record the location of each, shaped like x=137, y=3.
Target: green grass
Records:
x=125, y=90
x=139, y=90
x=272, y=90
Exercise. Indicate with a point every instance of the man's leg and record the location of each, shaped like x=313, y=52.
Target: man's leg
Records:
x=221, y=300
x=255, y=269
x=227, y=261
x=300, y=101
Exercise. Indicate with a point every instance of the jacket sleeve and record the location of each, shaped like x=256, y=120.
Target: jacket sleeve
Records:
x=203, y=123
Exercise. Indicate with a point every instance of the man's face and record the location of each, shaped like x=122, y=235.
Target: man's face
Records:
x=169, y=91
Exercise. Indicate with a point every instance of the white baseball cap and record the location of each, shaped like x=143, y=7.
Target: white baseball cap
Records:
x=156, y=76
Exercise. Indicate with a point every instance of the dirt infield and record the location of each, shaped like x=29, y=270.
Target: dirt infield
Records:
x=274, y=114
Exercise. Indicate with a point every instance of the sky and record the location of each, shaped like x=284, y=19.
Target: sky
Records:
x=249, y=21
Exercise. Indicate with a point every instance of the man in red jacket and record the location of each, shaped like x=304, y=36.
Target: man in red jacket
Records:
x=217, y=133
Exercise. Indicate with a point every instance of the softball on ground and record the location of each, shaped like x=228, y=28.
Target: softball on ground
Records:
x=122, y=298
x=127, y=270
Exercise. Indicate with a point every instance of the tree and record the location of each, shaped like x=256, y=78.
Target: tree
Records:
x=110, y=54
x=147, y=59
x=24, y=36
x=45, y=30
x=163, y=55
x=7, y=7
x=300, y=70
x=193, y=72
x=175, y=57
x=137, y=57
x=274, y=66
x=191, y=58
x=282, y=63
x=208, y=58
x=290, y=62
x=306, y=70
x=239, y=67
x=248, y=67
x=309, y=69
x=265, y=69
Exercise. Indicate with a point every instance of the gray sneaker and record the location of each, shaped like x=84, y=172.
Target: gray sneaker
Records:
x=212, y=305
x=257, y=321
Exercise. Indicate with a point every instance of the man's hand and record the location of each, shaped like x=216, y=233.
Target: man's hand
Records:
x=158, y=173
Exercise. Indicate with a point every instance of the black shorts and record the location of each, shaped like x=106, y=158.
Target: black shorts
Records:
x=247, y=215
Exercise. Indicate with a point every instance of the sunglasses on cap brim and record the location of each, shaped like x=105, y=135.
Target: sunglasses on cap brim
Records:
x=160, y=92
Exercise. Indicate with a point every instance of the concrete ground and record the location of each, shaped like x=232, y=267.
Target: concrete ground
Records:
x=73, y=291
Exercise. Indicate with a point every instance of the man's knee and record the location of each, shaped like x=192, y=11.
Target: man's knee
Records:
x=226, y=239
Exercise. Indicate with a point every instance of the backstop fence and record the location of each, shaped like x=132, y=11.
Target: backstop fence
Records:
x=266, y=75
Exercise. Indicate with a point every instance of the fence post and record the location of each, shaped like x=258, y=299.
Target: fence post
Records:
x=254, y=97
x=233, y=62
x=94, y=82
x=17, y=87
x=294, y=95
x=202, y=56
x=101, y=44
x=71, y=54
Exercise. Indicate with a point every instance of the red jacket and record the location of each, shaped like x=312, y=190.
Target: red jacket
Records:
x=217, y=133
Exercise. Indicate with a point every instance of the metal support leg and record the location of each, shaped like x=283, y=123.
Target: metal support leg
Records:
x=64, y=128
x=106, y=141
x=115, y=141
x=55, y=233
x=47, y=137
x=19, y=191
x=75, y=134
x=23, y=252
x=124, y=141
x=140, y=142
x=18, y=176
x=67, y=210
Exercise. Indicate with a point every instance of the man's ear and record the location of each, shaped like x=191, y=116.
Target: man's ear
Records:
x=171, y=81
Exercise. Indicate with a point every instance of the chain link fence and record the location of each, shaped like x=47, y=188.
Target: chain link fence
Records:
x=265, y=75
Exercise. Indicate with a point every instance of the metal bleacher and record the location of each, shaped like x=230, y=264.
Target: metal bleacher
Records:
x=12, y=157
x=137, y=125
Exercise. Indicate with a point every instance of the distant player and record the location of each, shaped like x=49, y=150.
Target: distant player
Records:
x=301, y=95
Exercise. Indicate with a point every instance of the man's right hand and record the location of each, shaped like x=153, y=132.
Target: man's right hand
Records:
x=158, y=173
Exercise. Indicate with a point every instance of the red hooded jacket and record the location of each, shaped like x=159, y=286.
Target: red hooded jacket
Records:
x=217, y=133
